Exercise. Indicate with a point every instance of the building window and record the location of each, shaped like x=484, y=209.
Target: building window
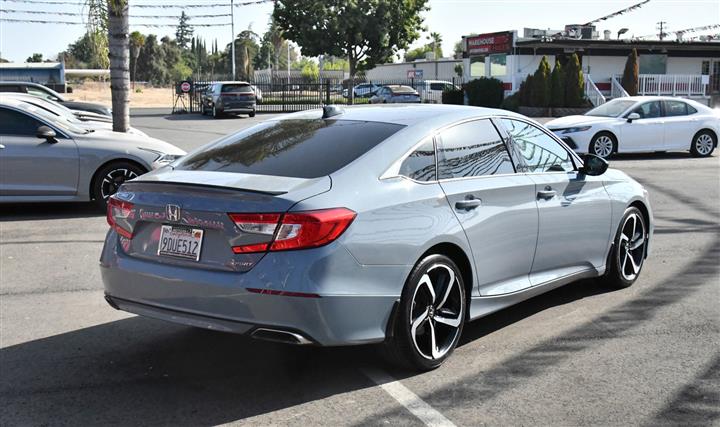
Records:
x=498, y=64
x=653, y=64
x=477, y=66
x=705, y=69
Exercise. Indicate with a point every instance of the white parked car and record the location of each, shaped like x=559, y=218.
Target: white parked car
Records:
x=642, y=124
x=431, y=90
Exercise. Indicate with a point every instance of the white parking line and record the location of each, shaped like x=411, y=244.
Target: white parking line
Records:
x=426, y=413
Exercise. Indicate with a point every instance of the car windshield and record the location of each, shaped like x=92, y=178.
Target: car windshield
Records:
x=59, y=121
x=611, y=109
x=238, y=88
x=291, y=148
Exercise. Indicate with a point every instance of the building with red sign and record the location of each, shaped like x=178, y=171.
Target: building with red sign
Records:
x=671, y=67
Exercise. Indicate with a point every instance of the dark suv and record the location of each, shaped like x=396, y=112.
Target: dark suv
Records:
x=229, y=98
x=47, y=93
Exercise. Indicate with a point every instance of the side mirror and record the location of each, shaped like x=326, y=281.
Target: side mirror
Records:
x=593, y=165
x=632, y=116
x=44, y=132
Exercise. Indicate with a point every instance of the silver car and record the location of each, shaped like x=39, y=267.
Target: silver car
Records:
x=377, y=224
x=45, y=157
x=392, y=94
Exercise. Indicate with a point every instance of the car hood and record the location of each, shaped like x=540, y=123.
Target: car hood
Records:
x=85, y=106
x=117, y=139
x=573, y=121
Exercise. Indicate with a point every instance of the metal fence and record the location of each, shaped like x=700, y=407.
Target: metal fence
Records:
x=280, y=95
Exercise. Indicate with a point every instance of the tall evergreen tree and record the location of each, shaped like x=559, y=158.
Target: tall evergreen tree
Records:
x=557, y=83
x=574, y=83
x=541, y=84
x=631, y=75
x=184, y=31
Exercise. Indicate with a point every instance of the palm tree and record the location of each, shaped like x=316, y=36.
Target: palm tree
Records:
x=436, y=40
x=137, y=41
x=112, y=15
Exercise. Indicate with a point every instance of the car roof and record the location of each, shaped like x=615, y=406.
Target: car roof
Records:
x=405, y=114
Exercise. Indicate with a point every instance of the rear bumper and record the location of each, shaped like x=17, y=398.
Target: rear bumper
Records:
x=220, y=300
x=238, y=108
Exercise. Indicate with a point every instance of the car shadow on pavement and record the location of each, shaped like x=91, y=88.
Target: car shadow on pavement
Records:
x=41, y=211
x=661, y=155
x=143, y=371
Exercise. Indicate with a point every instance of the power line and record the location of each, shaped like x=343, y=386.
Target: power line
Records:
x=42, y=21
x=147, y=6
x=44, y=12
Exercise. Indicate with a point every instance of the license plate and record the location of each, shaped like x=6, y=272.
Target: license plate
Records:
x=180, y=242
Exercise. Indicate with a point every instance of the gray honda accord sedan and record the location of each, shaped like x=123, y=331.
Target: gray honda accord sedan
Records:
x=393, y=224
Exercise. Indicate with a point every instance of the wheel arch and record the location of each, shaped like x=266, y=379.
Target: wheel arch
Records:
x=461, y=259
x=95, y=175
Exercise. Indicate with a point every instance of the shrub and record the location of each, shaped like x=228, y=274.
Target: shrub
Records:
x=485, y=92
x=454, y=96
x=631, y=75
x=526, y=91
x=574, y=83
x=512, y=102
x=557, y=84
x=541, y=85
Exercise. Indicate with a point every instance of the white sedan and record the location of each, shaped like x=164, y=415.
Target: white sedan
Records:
x=641, y=124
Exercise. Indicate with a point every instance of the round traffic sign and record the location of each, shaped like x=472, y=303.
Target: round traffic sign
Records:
x=185, y=86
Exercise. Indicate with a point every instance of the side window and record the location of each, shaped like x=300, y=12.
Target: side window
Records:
x=420, y=164
x=472, y=149
x=11, y=88
x=540, y=152
x=16, y=123
x=649, y=110
x=39, y=92
x=437, y=86
x=675, y=108
x=691, y=109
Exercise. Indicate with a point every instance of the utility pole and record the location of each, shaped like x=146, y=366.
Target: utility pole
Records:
x=232, y=39
x=662, y=25
x=288, y=61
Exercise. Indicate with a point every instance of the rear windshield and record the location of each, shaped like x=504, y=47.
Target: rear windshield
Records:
x=292, y=148
x=405, y=90
x=236, y=89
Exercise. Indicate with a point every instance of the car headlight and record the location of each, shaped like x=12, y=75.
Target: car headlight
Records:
x=576, y=129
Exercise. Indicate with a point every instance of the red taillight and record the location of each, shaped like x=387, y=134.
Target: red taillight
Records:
x=119, y=210
x=297, y=230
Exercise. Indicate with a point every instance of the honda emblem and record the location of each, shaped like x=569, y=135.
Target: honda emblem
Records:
x=172, y=212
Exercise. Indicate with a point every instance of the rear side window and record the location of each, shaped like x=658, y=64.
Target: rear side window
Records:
x=472, y=149
x=675, y=108
x=420, y=164
x=437, y=86
x=11, y=88
x=16, y=123
x=292, y=148
x=237, y=89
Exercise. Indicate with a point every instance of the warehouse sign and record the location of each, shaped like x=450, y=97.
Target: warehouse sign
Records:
x=415, y=74
x=484, y=44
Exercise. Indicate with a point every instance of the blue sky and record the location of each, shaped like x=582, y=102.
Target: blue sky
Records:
x=451, y=18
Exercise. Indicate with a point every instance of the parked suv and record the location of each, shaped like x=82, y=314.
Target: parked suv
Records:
x=431, y=90
x=230, y=98
x=47, y=93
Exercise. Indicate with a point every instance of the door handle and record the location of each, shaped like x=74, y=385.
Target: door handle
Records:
x=546, y=194
x=468, y=204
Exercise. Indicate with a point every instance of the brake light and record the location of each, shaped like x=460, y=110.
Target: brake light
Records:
x=297, y=230
x=120, y=211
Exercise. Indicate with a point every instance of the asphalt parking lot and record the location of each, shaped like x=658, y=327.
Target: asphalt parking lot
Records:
x=579, y=355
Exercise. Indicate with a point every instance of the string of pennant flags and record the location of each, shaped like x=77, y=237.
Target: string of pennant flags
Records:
x=619, y=12
x=42, y=21
x=148, y=6
x=686, y=30
x=44, y=12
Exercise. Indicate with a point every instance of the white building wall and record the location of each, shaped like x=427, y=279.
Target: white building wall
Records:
x=432, y=70
x=684, y=65
x=602, y=68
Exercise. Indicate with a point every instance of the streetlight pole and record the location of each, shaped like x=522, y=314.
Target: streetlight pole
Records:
x=288, y=61
x=232, y=39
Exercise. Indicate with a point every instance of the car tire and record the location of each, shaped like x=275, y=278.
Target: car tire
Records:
x=215, y=113
x=703, y=144
x=251, y=114
x=108, y=179
x=629, y=250
x=418, y=339
x=603, y=144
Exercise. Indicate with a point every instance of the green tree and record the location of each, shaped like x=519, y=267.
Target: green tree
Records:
x=184, y=32
x=557, y=83
x=417, y=53
x=436, y=44
x=151, y=63
x=36, y=57
x=246, y=48
x=541, y=84
x=631, y=75
x=137, y=40
x=574, y=83
x=458, y=70
x=366, y=32
x=458, y=49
